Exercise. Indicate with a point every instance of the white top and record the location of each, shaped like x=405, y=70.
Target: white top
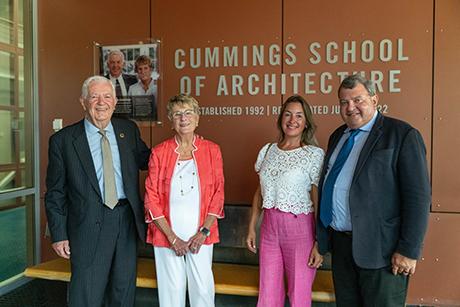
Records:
x=184, y=199
x=286, y=177
x=137, y=89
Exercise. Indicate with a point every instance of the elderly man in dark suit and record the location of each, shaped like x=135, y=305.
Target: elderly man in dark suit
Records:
x=92, y=202
x=121, y=81
x=374, y=201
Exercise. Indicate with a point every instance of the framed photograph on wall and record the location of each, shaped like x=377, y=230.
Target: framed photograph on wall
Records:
x=135, y=73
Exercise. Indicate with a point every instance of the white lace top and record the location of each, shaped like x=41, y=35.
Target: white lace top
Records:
x=286, y=177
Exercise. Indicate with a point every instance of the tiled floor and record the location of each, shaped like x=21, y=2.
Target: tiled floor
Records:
x=45, y=293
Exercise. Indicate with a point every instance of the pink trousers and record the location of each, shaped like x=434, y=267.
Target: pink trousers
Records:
x=286, y=241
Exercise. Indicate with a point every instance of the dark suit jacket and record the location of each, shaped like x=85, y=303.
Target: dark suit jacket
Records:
x=129, y=80
x=389, y=197
x=73, y=201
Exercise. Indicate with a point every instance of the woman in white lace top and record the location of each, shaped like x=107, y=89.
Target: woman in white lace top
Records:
x=289, y=172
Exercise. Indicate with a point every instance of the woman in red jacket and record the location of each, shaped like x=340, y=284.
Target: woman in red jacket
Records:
x=184, y=198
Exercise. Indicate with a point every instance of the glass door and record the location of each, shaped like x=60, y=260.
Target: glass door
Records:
x=17, y=150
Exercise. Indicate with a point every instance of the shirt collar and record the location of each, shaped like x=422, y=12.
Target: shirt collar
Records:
x=367, y=127
x=152, y=82
x=178, y=144
x=91, y=129
x=113, y=79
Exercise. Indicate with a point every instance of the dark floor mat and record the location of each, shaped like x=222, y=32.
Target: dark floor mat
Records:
x=37, y=293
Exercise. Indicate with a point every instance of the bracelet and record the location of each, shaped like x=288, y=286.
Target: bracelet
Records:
x=174, y=241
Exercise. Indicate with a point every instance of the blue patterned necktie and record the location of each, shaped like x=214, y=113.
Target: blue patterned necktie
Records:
x=328, y=188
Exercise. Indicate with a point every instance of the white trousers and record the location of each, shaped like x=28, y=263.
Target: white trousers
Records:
x=175, y=273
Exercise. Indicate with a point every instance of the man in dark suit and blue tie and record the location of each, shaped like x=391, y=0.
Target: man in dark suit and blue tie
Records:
x=93, y=206
x=374, y=201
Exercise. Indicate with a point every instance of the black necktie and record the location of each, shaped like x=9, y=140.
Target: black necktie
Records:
x=118, y=88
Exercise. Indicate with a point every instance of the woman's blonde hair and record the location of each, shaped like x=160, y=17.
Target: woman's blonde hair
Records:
x=182, y=99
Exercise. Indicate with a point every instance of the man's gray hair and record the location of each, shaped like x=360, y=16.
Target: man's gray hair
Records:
x=97, y=79
x=352, y=81
x=116, y=52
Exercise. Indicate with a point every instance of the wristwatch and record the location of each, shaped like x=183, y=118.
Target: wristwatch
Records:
x=205, y=231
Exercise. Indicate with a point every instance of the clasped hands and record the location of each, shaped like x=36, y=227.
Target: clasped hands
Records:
x=193, y=245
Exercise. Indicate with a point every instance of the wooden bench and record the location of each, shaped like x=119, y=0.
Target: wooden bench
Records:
x=232, y=279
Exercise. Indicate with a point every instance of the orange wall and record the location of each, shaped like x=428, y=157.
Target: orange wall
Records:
x=230, y=24
x=437, y=278
x=301, y=24
x=427, y=65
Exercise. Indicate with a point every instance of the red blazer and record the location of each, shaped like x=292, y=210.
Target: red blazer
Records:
x=163, y=159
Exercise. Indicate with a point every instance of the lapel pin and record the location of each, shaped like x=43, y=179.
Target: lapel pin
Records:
x=122, y=135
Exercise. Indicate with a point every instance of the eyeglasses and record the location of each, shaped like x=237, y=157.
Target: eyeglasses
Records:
x=186, y=113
